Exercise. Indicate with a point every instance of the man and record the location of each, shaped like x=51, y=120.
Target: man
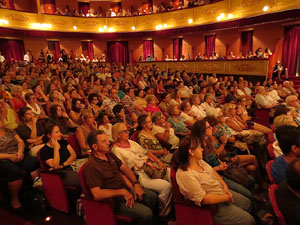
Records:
x=278, y=70
x=209, y=106
x=293, y=101
x=264, y=101
x=288, y=194
x=289, y=142
x=107, y=177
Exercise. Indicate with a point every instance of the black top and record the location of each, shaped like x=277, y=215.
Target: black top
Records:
x=25, y=132
x=47, y=152
x=288, y=203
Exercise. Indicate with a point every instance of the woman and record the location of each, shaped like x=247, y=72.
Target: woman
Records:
x=8, y=115
x=140, y=98
x=163, y=130
x=14, y=164
x=165, y=103
x=148, y=141
x=18, y=100
x=54, y=100
x=58, y=154
x=32, y=104
x=196, y=109
x=105, y=125
x=61, y=119
x=88, y=125
x=152, y=107
x=41, y=98
x=93, y=104
x=201, y=184
x=187, y=116
x=176, y=98
x=136, y=157
x=178, y=125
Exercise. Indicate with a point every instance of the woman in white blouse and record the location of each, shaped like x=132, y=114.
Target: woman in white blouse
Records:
x=200, y=183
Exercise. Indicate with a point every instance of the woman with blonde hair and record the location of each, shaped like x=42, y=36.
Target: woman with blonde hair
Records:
x=138, y=158
x=284, y=120
x=88, y=124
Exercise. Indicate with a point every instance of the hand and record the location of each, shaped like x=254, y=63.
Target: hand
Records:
x=224, y=138
x=129, y=199
x=168, y=125
x=138, y=192
x=13, y=157
x=55, y=143
x=223, y=166
x=34, y=119
x=162, y=165
x=20, y=156
x=64, y=114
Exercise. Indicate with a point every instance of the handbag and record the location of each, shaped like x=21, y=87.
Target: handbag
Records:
x=153, y=171
x=237, y=173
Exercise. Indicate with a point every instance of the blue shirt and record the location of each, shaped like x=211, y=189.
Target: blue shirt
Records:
x=278, y=169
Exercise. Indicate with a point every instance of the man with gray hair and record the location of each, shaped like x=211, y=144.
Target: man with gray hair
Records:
x=293, y=101
x=263, y=100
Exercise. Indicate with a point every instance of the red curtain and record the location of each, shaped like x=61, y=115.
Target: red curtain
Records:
x=91, y=50
x=12, y=49
x=117, y=52
x=148, y=49
x=246, y=42
x=49, y=6
x=210, y=44
x=11, y=4
x=291, y=48
x=84, y=7
x=177, y=48
x=88, y=49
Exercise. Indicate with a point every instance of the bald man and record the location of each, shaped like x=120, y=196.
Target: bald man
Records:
x=263, y=100
x=293, y=101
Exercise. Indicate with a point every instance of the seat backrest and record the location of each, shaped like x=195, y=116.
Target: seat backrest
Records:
x=271, y=151
x=43, y=165
x=271, y=137
x=74, y=144
x=85, y=189
x=135, y=135
x=178, y=198
x=280, y=218
x=268, y=168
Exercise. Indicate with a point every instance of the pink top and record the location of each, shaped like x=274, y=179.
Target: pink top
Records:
x=152, y=109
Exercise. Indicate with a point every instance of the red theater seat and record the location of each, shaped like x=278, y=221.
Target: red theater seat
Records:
x=280, y=218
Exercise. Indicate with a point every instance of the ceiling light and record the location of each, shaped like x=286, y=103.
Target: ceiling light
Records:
x=133, y=27
x=266, y=8
x=165, y=25
x=190, y=21
x=222, y=15
x=100, y=29
x=3, y=21
x=229, y=16
x=74, y=27
x=110, y=29
x=158, y=27
x=218, y=18
x=104, y=27
x=43, y=25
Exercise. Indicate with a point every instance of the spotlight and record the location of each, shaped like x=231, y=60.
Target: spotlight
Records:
x=104, y=27
x=110, y=29
x=165, y=25
x=74, y=27
x=158, y=27
x=100, y=29
x=48, y=218
x=133, y=27
x=190, y=21
x=218, y=18
x=229, y=16
x=3, y=21
x=265, y=8
x=222, y=15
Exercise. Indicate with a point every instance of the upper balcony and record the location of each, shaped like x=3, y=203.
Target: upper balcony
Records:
x=226, y=10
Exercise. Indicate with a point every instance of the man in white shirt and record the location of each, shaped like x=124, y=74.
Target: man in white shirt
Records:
x=196, y=109
x=209, y=106
x=262, y=99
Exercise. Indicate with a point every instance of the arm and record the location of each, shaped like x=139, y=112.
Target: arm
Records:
x=33, y=134
x=72, y=157
x=101, y=194
x=81, y=139
x=21, y=147
x=233, y=125
x=54, y=162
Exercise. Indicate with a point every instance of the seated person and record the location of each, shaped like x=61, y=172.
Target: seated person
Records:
x=136, y=157
x=289, y=142
x=58, y=154
x=187, y=116
x=279, y=70
x=152, y=107
x=209, y=106
x=10, y=117
x=177, y=123
x=201, y=184
x=105, y=125
x=288, y=193
x=163, y=130
x=148, y=141
x=14, y=163
x=107, y=177
x=262, y=99
x=88, y=124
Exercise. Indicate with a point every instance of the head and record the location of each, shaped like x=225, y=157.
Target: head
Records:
x=119, y=111
x=25, y=114
x=165, y=97
x=98, y=141
x=93, y=98
x=284, y=120
x=293, y=175
x=292, y=100
x=30, y=98
x=195, y=100
x=189, y=147
x=55, y=111
x=87, y=117
x=145, y=122
x=76, y=105
x=159, y=119
x=289, y=140
x=229, y=109
x=173, y=110
x=120, y=132
x=208, y=99
x=52, y=131
x=202, y=129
